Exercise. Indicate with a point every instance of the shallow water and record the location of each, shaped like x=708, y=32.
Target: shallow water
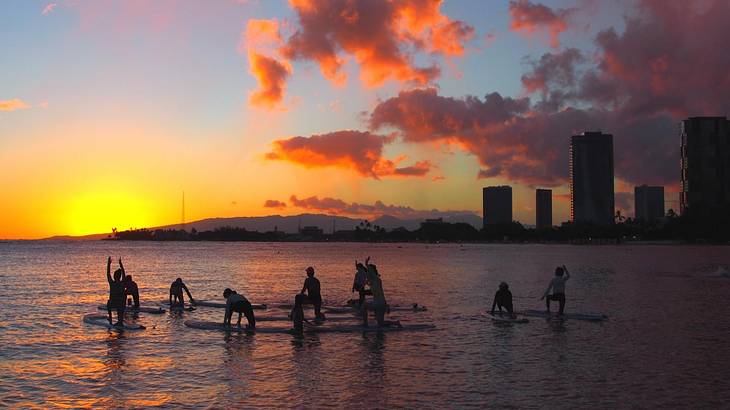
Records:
x=666, y=343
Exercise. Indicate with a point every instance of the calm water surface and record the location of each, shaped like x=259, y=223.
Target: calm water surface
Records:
x=667, y=343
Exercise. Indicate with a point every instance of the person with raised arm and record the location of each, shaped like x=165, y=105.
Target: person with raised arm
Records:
x=556, y=289
x=176, y=293
x=238, y=303
x=116, y=292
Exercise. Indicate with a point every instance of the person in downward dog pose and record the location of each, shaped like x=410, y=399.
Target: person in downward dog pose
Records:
x=238, y=303
x=557, y=286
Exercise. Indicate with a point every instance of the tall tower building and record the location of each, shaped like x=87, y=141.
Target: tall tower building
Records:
x=648, y=203
x=591, y=178
x=497, y=204
x=543, y=208
x=705, y=163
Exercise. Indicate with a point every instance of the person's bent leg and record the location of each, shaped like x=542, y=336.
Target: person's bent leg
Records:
x=317, y=302
x=380, y=315
x=250, y=317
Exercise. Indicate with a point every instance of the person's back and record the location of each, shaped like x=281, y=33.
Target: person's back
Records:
x=131, y=289
x=558, y=284
x=376, y=286
x=313, y=286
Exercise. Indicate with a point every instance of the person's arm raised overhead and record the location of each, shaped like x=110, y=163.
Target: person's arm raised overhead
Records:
x=122, y=268
x=567, y=275
x=109, y=270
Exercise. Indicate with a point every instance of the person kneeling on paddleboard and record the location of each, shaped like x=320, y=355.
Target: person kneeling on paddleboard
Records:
x=297, y=314
x=503, y=299
x=238, y=303
x=116, y=292
x=131, y=289
x=312, y=286
x=176, y=293
x=557, y=286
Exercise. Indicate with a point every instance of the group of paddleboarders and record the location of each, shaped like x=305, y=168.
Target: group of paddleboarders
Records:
x=367, y=282
x=554, y=292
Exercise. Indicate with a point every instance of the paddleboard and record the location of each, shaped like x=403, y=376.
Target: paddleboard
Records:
x=222, y=305
x=178, y=308
x=505, y=317
x=196, y=324
x=592, y=317
x=347, y=309
x=286, y=318
x=103, y=321
x=141, y=309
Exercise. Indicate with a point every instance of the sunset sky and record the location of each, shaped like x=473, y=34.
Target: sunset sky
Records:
x=109, y=110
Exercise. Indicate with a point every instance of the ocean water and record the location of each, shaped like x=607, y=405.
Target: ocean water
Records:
x=666, y=343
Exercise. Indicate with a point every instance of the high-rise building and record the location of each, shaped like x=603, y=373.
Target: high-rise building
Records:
x=543, y=208
x=497, y=204
x=591, y=178
x=648, y=203
x=705, y=163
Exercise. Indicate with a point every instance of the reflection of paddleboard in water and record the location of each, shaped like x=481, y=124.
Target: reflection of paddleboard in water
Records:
x=196, y=324
x=141, y=309
x=103, y=321
x=593, y=317
x=504, y=317
x=222, y=305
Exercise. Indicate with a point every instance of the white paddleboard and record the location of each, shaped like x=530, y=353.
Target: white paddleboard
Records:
x=196, y=324
x=141, y=309
x=103, y=321
x=221, y=305
x=504, y=317
x=393, y=308
x=591, y=317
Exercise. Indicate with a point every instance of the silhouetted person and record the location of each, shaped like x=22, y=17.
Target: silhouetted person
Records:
x=238, y=303
x=359, y=282
x=176, y=293
x=503, y=299
x=131, y=289
x=297, y=314
x=380, y=306
x=557, y=286
x=312, y=287
x=116, y=292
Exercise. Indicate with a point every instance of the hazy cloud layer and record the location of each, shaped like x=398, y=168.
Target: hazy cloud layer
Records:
x=13, y=105
x=335, y=206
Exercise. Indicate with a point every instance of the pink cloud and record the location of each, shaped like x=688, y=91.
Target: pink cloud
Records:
x=529, y=18
x=273, y=203
x=336, y=206
x=49, y=8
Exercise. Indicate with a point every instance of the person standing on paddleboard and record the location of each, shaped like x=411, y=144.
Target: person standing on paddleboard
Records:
x=557, y=286
x=380, y=306
x=238, y=303
x=503, y=299
x=312, y=287
x=176, y=293
x=358, y=284
x=116, y=292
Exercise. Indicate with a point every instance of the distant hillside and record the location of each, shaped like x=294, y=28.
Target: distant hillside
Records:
x=291, y=224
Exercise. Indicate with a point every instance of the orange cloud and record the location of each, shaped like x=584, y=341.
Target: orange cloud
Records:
x=273, y=203
x=528, y=18
x=260, y=34
x=359, y=151
x=12, y=105
x=271, y=75
x=381, y=35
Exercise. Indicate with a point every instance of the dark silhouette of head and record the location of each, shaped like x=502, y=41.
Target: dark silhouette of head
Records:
x=504, y=286
x=178, y=281
x=298, y=300
x=227, y=292
x=310, y=271
x=374, y=268
x=117, y=275
x=559, y=271
x=128, y=278
x=360, y=266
